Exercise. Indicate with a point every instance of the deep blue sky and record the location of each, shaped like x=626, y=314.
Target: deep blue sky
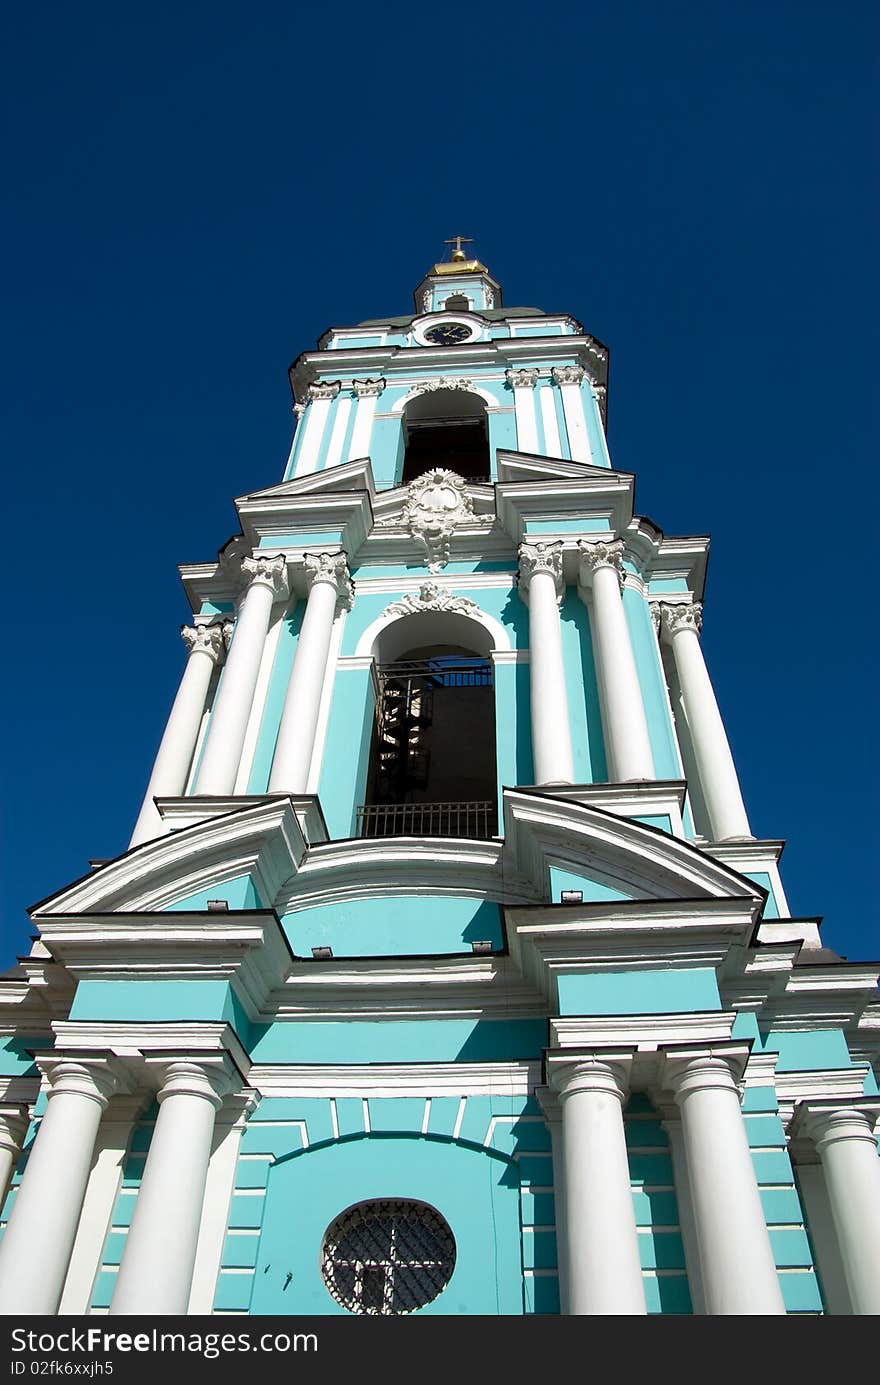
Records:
x=194, y=192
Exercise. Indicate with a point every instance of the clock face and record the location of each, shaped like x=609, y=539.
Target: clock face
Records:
x=448, y=334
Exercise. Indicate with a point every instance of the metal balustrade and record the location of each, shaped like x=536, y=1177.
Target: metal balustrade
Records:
x=473, y=818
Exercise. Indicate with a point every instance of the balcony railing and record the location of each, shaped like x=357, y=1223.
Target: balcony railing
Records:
x=475, y=818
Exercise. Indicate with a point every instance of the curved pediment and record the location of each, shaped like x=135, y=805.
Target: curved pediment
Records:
x=263, y=845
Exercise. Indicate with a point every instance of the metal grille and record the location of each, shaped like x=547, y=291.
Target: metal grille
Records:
x=476, y=818
x=443, y=671
x=389, y=1256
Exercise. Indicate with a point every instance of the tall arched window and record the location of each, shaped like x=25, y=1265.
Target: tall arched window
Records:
x=432, y=764
x=447, y=429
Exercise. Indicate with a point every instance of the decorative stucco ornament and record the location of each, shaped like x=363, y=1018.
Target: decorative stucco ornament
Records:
x=437, y=503
x=430, y=598
x=443, y=382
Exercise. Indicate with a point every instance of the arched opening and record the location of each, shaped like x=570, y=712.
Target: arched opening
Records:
x=457, y=302
x=448, y=429
x=432, y=761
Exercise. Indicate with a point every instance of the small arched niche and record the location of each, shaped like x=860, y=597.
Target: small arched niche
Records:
x=447, y=429
x=432, y=762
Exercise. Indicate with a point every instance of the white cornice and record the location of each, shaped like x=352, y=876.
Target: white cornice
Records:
x=619, y=852
x=647, y=1033
x=132, y=1040
x=178, y=813
x=248, y=949
x=264, y=841
x=549, y=941
x=408, y=988
x=396, y=1079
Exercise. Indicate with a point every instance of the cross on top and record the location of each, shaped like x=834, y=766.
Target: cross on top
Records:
x=458, y=241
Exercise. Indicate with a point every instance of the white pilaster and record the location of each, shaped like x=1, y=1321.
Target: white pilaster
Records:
x=569, y=378
x=523, y=382
x=329, y=585
x=680, y=625
x=736, y=1259
x=35, y=1249
x=604, y=1273
x=155, y=1276
x=229, y=1126
x=687, y=1224
x=337, y=435
x=553, y=1116
x=846, y=1144
x=320, y=397
x=367, y=394
x=542, y=586
x=175, y=753
x=13, y=1129
x=105, y=1177
x=627, y=742
x=223, y=744
x=552, y=440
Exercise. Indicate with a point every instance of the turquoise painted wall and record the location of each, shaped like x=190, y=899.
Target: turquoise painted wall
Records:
x=678, y=991
x=761, y=877
x=123, y=1208
x=154, y=1001
x=275, y=695
x=403, y=925
x=346, y=761
x=513, y=729
x=646, y=652
x=398, y=1041
x=582, y=691
x=593, y=891
x=477, y=1192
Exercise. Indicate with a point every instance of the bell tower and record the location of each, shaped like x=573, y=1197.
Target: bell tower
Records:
x=443, y=972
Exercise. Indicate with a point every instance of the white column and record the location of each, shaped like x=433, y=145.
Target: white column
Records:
x=174, y=756
x=553, y=1116
x=329, y=585
x=367, y=394
x=155, y=1275
x=845, y=1140
x=687, y=1225
x=337, y=435
x=35, y=1249
x=569, y=378
x=736, y=1258
x=226, y=731
x=624, y=723
x=603, y=1266
x=542, y=586
x=680, y=625
x=320, y=397
x=13, y=1128
x=523, y=382
x=552, y=440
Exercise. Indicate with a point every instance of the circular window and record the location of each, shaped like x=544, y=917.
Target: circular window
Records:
x=389, y=1256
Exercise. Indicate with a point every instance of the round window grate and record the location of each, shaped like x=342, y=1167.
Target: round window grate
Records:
x=388, y=1256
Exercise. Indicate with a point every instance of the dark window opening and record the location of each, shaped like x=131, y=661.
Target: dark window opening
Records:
x=457, y=303
x=446, y=429
x=432, y=764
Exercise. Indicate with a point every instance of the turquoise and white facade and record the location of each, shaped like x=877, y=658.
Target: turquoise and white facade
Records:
x=536, y=980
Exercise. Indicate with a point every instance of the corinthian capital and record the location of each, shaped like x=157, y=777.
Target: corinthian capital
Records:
x=599, y=554
x=368, y=389
x=678, y=617
x=267, y=572
x=203, y=639
x=522, y=379
x=541, y=557
x=321, y=389
x=332, y=568
x=568, y=374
